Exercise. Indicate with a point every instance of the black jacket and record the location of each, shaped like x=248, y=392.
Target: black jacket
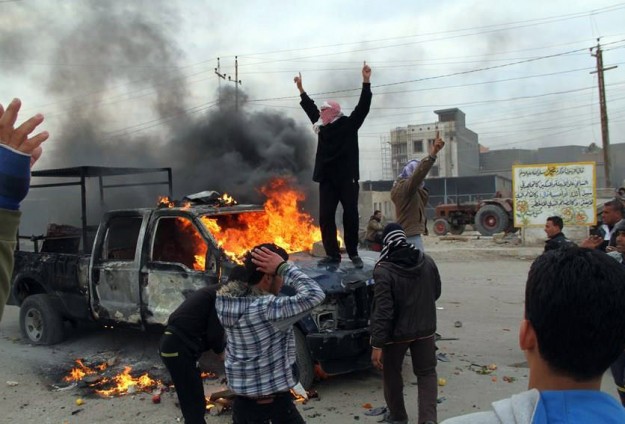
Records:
x=195, y=322
x=404, y=304
x=558, y=241
x=337, y=146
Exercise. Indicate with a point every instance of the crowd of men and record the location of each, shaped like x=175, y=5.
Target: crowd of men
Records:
x=572, y=331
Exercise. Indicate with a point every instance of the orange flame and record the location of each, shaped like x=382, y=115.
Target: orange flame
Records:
x=81, y=371
x=124, y=381
x=282, y=223
x=228, y=200
x=164, y=201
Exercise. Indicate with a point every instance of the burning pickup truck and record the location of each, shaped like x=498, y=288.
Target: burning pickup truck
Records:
x=144, y=262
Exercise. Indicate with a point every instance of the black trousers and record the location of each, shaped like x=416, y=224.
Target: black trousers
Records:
x=331, y=192
x=277, y=410
x=182, y=366
x=423, y=356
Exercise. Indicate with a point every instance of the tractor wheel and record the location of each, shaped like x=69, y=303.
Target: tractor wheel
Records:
x=40, y=322
x=305, y=366
x=441, y=227
x=491, y=219
x=456, y=229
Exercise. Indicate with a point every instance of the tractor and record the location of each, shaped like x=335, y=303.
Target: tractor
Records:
x=487, y=217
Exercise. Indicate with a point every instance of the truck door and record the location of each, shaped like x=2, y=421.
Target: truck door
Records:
x=115, y=265
x=180, y=261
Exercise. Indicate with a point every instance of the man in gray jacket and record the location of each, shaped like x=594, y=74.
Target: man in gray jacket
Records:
x=572, y=331
x=407, y=284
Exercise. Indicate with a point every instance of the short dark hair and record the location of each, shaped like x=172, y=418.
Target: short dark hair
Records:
x=375, y=212
x=557, y=221
x=253, y=275
x=574, y=299
x=615, y=204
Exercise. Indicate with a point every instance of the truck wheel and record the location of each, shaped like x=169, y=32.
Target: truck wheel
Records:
x=40, y=322
x=441, y=227
x=491, y=219
x=456, y=229
x=303, y=359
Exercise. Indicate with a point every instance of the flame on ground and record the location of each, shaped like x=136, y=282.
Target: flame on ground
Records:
x=124, y=381
x=282, y=223
x=117, y=385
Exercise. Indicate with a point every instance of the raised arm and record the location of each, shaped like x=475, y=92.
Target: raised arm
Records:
x=306, y=102
x=426, y=164
x=364, y=103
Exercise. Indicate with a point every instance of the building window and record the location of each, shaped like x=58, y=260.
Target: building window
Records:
x=399, y=149
x=434, y=171
x=417, y=146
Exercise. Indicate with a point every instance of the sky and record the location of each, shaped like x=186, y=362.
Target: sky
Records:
x=133, y=82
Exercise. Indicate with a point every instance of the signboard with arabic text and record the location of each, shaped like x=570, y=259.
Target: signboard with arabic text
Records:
x=567, y=190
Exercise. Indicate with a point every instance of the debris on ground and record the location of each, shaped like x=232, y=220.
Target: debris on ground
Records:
x=441, y=356
x=374, y=412
x=458, y=324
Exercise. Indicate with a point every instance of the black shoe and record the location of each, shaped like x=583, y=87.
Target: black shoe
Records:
x=329, y=261
x=387, y=419
x=357, y=261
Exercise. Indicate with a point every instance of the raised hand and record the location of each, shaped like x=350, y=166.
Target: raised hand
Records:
x=19, y=138
x=366, y=72
x=438, y=144
x=298, y=82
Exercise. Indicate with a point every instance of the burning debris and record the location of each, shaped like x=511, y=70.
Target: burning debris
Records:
x=98, y=378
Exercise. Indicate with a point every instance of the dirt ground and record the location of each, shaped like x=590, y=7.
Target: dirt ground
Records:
x=478, y=316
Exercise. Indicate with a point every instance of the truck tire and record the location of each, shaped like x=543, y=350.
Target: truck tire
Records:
x=456, y=229
x=303, y=359
x=491, y=219
x=40, y=322
x=441, y=227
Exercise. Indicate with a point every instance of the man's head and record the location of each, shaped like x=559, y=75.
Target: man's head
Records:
x=393, y=232
x=267, y=282
x=574, y=324
x=409, y=169
x=620, y=240
x=612, y=212
x=553, y=226
x=377, y=214
x=329, y=111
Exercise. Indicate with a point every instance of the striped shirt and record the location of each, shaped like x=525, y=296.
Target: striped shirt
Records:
x=260, y=348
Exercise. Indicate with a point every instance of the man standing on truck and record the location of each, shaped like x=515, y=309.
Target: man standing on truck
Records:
x=336, y=167
x=18, y=153
x=260, y=354
x=411, y=197
x=192, y=328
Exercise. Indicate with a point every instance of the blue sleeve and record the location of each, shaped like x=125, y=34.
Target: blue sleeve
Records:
x=14, y=177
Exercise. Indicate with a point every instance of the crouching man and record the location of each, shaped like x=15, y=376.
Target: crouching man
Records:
x=260, y=355
x=573, y=329
x=192, y=329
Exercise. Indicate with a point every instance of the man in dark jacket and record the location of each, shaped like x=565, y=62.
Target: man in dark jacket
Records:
x=407, y=285
x=336, y=167
x=192, y=328
x=557, y=239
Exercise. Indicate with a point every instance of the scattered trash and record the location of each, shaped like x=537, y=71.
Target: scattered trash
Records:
x=505, y=329
x=492, y=367
x=494, y=379
x=156, y=398
x=509, y=379
x=441, y=399
x=482, y=369
x=442, y=381
x=458, y=324
x=367, y=405
x=58, y=388
x=374, y=412
x=79, y=401
x=440, y=308
x=76, y=411
x=442, y=357
x=12, y=383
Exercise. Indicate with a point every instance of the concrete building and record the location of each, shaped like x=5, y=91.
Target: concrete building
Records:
x=459, y=158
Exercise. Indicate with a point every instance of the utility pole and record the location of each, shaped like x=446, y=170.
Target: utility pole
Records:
x=605, y=135
x=236, y=80
x=221, y=76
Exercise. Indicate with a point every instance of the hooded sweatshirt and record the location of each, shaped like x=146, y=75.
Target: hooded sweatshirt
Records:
x=407, y=284
x=557, y=407
x=260, y=350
